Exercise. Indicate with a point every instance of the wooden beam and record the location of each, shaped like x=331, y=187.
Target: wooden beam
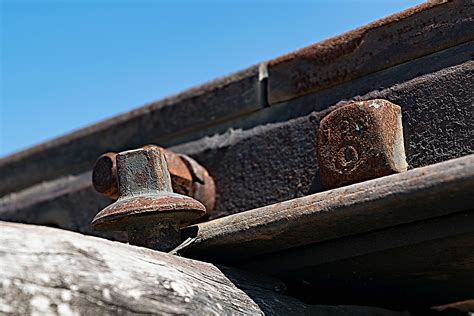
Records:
x=415, y=195
x=55, y=272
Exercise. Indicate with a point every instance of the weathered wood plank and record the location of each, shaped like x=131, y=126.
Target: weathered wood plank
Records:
x=50, y=271
x=407, y=35
x=415, y=265
x=68, y=203
x=415, y=195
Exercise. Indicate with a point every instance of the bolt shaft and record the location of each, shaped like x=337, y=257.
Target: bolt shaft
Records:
x=142, y=172
x=162, y=236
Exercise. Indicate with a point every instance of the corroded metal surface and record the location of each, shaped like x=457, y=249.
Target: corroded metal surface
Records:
x=161, y=235
x=188, y=177
x=361, y=141
x=181, y=178
x=217, y=105
x=401, y=37
x=412, y=266
x=437, y=125
x=146, y=199
x=104, y=175
x=204, y=187
x=145, y=207
x=412, y=196
x=157, y=122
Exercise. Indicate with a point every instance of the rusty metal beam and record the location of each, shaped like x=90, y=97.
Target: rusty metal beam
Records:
x=418, y=31
x=240, y=100
x=436, y=120
x=415, y=195
x=218, y=100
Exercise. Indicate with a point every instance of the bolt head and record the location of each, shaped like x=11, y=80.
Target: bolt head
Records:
x=145, y=193
x=361, y=141
x=146, y=209
x=104, y=176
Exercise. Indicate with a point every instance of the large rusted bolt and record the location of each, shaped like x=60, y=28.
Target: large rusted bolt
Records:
x=146, y=207
x=187, y=177
x=361, y=141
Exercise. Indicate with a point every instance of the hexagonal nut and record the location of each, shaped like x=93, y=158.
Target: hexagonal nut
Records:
x=361, y=141
x=104, y=177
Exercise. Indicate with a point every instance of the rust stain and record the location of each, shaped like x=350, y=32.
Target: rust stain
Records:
x=331, y=49
x=127, y=210
x=188, y=177
x=104, y=175
x=145, y=195
x=352, y=48
x=361, y=141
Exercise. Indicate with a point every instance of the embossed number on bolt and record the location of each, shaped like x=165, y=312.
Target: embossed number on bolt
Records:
x=361, y=141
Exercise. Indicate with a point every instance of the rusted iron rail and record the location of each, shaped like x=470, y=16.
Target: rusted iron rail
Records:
x=214, y=107
x=413, y=33
x=409, y=266
x=415, y=195
x=437, y=125
x=420, y=59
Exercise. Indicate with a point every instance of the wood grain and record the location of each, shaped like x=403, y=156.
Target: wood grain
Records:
x=55, y=272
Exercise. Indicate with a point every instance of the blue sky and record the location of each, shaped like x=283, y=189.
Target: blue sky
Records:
x=67, y=64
